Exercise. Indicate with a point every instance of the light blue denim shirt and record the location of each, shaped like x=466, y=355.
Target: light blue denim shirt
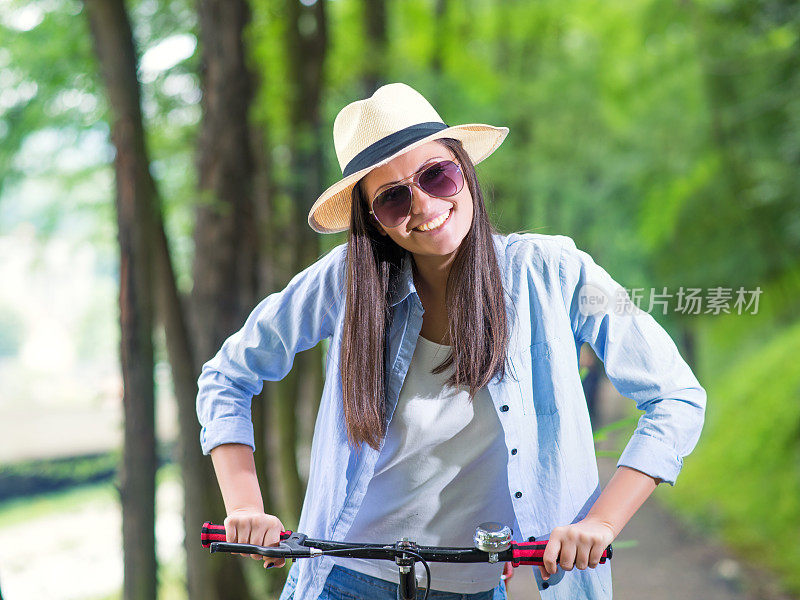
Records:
x=554, y=303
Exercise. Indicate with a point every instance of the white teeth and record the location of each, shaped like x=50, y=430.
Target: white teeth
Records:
x=435, y=223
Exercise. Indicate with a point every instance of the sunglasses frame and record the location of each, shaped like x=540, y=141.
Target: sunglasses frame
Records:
x=414, y=181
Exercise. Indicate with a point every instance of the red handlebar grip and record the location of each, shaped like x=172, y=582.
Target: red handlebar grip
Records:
x=532, y=553
x=216, y=533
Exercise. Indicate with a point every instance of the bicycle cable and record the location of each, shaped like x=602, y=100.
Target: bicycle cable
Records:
x=397, y=551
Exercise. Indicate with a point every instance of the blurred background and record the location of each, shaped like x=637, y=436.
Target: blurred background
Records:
x=158, y=159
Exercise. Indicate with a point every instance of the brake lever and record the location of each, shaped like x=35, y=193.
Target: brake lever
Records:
x=291, y=547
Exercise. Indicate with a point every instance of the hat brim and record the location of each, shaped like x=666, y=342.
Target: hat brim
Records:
x=331, y=212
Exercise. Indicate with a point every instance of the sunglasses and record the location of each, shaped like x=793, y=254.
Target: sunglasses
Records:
x=441, y=179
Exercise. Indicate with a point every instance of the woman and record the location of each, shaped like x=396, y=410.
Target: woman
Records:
x=452, y=392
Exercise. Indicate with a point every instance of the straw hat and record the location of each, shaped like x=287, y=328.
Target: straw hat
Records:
x=370, y=133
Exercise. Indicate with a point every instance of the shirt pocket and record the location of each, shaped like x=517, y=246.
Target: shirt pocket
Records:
x=534, y=366
x=543, y=372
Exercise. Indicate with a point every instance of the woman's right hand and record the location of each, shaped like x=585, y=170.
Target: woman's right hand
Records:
x=253, y=526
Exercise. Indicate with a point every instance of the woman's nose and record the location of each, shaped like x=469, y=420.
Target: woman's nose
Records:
x=420, y=201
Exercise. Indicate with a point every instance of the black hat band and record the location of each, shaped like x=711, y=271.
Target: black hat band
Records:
x=391, y=144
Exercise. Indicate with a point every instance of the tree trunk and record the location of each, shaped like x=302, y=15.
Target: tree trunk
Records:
x=194, y=470
x=440, y=10
x=226, y=254
x=375, y=29
x=263, y=192
x=306, y=39
x=135, y=193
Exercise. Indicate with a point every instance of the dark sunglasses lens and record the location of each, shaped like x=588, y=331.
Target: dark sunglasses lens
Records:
x=392, y=205
x=443, y=179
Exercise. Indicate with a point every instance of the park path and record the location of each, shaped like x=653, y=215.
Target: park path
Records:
x=669, y=561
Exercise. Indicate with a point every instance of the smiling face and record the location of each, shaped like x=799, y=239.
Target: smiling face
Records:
x=442, y=241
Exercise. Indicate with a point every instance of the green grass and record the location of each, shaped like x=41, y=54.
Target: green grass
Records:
x=27, y=509
x=742, y=482
x=41, y=477
x=24, y=509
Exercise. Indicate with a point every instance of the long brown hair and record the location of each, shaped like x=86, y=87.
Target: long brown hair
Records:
x=475, y=302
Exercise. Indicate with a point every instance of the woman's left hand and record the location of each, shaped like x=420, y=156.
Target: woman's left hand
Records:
x=579, y=545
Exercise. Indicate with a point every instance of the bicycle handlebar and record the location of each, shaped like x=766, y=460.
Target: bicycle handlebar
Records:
x=298, y=545
x=216, y=533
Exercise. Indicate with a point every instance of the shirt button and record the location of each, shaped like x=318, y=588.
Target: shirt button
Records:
x=513, y=451
x=532, y=538
x=504, y=408
x=518, y=495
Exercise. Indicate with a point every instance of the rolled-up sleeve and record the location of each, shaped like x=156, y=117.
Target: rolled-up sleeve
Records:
x=641, y=361
x=283, y=324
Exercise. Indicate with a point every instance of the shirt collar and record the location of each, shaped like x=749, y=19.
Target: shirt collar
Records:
x=404, y=283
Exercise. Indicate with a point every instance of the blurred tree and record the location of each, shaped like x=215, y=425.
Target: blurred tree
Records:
x=440, y=41
x=196, y=473
x=266, y=274
x=662, y=136
x=306, y=41
x=226, y=250
x=739, y=211
x=375, y=34
x=135, y=196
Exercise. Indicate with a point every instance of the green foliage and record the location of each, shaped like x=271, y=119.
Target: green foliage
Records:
x=663, y=136
x=624, y=545
x=743, y=219
x=20, y=510
x=627, y=423
x=46, y=82
x=54, y=152
x=743, y=479
x=43, y=476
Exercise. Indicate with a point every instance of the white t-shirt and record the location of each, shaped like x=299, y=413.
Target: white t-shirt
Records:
x=441, y=472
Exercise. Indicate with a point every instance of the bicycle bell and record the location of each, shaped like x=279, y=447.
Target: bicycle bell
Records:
x=492, y=537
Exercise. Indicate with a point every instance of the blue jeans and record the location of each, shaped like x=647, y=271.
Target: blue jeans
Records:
x=346, y=584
